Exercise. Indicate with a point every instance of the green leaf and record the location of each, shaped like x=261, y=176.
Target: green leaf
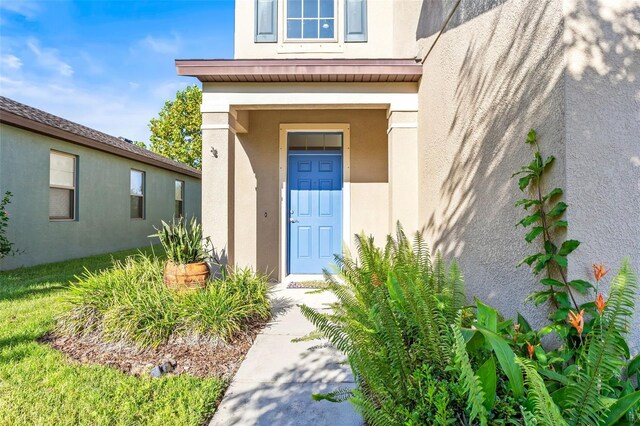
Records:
x=487, y=375
x=622, y=407
x=526, y=203
x=560, y=224
x=506, y=358
x=559, y=315
x=549, y=247
x=560, y=260
x=534, y=233
x=568, y=246
x=487, y=316
x=548, y=162
x=523, y=182
x=542, y=262
x=554, y=376
x=541, y=355
x=395, y=292
x=531, y=136
x=558, y=209
x=529, y=259
x=524, y=324
x=634, y=366
x=581, y=285
x=553, y=193
x=533, y=218
x=562, y=298
x=551, y=281
x=539, y=297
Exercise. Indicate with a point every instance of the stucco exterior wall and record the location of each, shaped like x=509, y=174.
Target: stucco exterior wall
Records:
x=602, y=98
x=256, y=198
x=496, y=72
x=103, y=223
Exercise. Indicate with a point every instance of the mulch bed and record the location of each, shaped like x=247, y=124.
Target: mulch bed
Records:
x=196, y=359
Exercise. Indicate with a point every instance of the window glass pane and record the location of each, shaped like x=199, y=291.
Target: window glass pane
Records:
x=326, y=9
x=179, y=212
x=294, y=8
x=326, y=28
x=62, y=162
x=60, y=203
x=294, y=28
x=310, y=28
x=315, y=140
x=60, y=178
x=136, y=207
x=333, y=140
x=310, y=9
x=137, y=182
x=179, y=190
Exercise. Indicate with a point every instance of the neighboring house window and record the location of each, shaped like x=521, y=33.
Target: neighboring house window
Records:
x=62, y=186
x=311, y=19
x=137, y=194
x=179, y=198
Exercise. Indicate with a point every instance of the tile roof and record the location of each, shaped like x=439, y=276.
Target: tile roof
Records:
x=21, y=115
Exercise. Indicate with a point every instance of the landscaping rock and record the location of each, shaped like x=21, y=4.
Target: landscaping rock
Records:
x=156, y=372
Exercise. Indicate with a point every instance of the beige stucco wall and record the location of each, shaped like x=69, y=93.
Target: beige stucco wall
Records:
x=602, y=118
x=256, y=199
x=380, y=42
x=568, y=69
x=485, y=84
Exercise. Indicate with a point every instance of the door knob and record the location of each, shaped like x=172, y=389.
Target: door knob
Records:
x=292, y=220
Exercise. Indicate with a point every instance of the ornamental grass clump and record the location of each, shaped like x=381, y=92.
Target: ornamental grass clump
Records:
x=130, y=304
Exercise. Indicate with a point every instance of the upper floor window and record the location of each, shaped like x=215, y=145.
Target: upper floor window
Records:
x=311, y=19
x=179, y=208
x=136, y=193
x=62, y=186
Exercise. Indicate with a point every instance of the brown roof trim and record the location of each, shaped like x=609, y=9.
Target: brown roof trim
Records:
x=300, y=70
x=133, y=153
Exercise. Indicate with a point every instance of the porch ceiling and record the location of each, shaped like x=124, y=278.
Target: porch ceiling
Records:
x=301, y=70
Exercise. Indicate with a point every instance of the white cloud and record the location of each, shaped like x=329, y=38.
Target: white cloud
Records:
x=162, y=45
x=48, y=58
x=11, y=62
x=27, y=8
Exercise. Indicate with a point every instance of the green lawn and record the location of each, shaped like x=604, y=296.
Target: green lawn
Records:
x=39, y=386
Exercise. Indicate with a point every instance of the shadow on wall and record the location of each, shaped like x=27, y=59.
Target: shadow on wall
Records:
x=433, y=13
x=497, y=71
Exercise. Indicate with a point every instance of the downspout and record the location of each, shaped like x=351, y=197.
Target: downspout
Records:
x=446, y=22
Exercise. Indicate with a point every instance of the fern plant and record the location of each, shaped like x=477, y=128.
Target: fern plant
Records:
x=395, y=305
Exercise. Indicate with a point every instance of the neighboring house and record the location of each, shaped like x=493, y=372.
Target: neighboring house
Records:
x=79, y=192
x=342, y=116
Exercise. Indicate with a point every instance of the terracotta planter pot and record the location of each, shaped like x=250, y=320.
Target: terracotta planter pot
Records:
x=185, y=278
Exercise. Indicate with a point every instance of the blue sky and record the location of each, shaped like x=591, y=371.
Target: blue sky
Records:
x=107, y=64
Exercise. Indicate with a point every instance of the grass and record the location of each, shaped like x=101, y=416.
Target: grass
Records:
x=39, y=386
x=129, y=303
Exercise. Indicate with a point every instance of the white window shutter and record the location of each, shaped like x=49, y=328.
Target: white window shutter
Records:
x=266, y=21
x=355, y=20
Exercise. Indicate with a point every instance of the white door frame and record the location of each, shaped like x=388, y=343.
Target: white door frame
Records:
x=285, y=129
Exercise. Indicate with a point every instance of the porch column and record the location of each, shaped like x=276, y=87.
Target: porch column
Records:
x=218, y=141
x=403, y=170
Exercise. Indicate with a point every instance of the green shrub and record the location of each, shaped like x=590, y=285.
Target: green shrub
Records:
x=6, y=246
x=129, y=303
x=392, y=320
x=183, y=242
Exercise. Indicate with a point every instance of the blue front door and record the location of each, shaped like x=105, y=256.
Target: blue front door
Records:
x=315, y=210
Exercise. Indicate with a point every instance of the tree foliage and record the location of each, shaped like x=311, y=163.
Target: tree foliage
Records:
x=176, y=132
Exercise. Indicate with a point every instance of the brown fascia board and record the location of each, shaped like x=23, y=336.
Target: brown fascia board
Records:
x=249, y=67
x=44, y=129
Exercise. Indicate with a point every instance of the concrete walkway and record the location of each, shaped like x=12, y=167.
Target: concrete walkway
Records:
x=273, y=386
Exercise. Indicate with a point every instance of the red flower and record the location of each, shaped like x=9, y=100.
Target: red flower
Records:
x=577, y=320
x=530, y=348
x=599, y=272
x=600, y=304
